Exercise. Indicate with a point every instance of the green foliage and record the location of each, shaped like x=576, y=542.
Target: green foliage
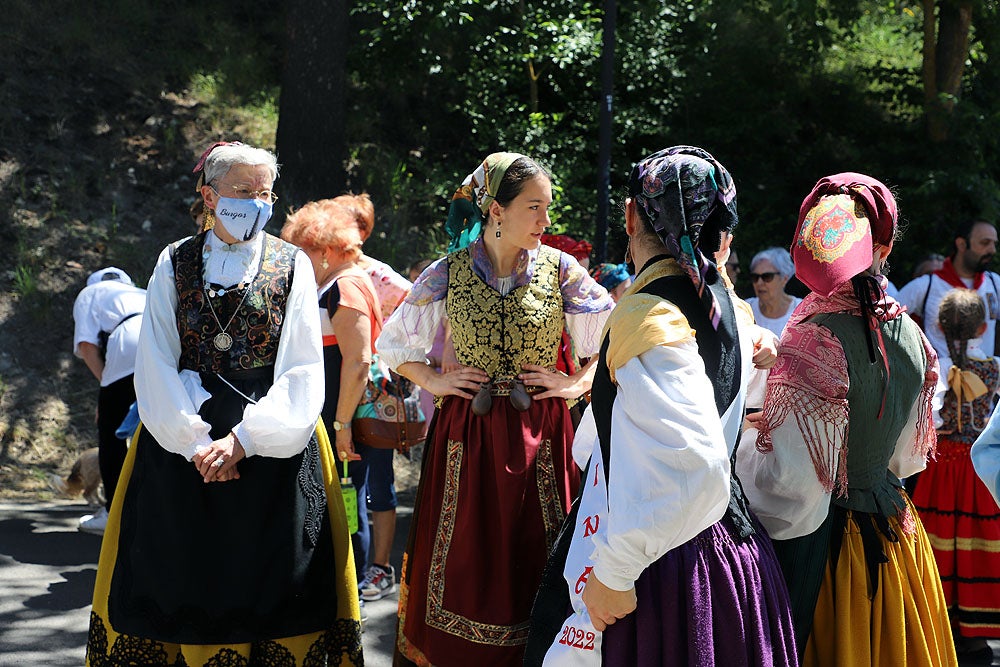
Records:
x=782, y=92
x=24, y=281
x=251, y=115
x=488, y=76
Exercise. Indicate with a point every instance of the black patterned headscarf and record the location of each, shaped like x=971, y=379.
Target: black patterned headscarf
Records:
x=684, y=190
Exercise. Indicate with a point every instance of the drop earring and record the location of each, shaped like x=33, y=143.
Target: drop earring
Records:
x=208, y=219
x=498, y=229
x=325, y=264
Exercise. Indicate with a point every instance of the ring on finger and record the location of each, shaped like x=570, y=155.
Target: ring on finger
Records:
x=218, y=462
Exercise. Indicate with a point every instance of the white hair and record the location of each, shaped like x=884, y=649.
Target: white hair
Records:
x=779, y=258
x=223, y=158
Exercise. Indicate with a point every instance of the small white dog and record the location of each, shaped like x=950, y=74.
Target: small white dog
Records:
x=85, y=478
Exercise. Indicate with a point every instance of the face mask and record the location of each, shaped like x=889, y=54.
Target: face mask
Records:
x=242, y=218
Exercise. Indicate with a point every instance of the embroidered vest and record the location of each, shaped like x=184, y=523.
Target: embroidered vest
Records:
x=500, y=333
x=870, y=440
x=256, y=322
x=975, y=413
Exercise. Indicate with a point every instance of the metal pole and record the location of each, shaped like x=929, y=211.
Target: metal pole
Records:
x=604, y=132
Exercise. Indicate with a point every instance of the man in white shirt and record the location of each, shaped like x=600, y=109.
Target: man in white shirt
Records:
x=107, y=317
x=975, y=245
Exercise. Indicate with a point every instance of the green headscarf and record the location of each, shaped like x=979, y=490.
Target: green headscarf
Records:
x=472, y=200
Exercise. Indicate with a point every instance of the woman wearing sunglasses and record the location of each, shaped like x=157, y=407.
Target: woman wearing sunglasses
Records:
x=769, y=273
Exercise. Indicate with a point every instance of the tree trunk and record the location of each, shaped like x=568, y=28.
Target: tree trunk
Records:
x=944, y=61
x=311, y=138
x=532, y=87
x=533, y=74
x=929, y=69
x=954, y=21
x=605, y=129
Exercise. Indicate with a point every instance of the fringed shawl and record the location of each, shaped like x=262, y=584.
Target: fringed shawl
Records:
x=810, y=379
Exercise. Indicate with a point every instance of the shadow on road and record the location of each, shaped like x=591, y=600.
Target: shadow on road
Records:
x=47, y=548
x=74, y=593
x=47, y=574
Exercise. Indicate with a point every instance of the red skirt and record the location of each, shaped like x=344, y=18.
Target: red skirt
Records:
x=963, y=523
x=493, y=493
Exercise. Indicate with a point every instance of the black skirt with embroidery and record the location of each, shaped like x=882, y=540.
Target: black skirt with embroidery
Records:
x=230, y=562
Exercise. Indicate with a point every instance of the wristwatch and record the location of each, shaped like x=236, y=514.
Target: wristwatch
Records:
x=341, y=426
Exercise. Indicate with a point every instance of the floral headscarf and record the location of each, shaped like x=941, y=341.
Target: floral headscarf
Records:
x=838, y=223
x=610, y=276
x=834, y=245
x=472, y=200
x=681, y=189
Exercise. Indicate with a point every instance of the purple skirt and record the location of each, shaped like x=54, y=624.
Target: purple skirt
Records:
x=715, y=600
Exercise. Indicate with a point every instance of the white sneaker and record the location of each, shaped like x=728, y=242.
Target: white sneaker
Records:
x=378, y=583
x=94, y=523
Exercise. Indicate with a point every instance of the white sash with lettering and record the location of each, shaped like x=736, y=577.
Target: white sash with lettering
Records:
x=577, y=643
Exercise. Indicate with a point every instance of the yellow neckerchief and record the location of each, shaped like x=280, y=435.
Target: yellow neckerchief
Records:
x=641, y=321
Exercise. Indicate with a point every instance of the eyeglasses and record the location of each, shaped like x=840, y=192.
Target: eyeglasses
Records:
x=766, y=277
x=243, y=192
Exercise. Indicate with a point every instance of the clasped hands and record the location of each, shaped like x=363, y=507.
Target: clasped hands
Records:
x=217, y=462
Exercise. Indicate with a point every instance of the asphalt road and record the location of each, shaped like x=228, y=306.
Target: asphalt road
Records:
x=47, y=572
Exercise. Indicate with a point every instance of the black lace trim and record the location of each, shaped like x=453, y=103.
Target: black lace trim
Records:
x=313, y=492
x=340, y=645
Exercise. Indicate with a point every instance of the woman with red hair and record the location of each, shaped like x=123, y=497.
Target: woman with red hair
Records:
x=330, y=233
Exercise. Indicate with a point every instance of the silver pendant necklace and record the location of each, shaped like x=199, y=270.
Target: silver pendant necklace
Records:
x=222, y=340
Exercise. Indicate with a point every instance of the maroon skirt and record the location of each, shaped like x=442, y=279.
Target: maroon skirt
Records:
x=493, y=493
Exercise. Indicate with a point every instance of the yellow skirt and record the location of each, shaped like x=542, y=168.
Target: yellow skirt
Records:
x=338, y=645
x=905, y=623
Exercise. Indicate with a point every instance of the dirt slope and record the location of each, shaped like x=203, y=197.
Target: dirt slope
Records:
x=95, y=170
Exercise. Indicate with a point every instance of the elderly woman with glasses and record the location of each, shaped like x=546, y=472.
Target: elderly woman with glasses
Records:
x=224, y=543
x=769, y=273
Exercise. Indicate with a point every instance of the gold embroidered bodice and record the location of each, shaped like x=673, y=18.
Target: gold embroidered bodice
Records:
x=500, y=333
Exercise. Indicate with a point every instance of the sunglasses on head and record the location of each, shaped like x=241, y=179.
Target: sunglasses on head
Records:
x=767, y=276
